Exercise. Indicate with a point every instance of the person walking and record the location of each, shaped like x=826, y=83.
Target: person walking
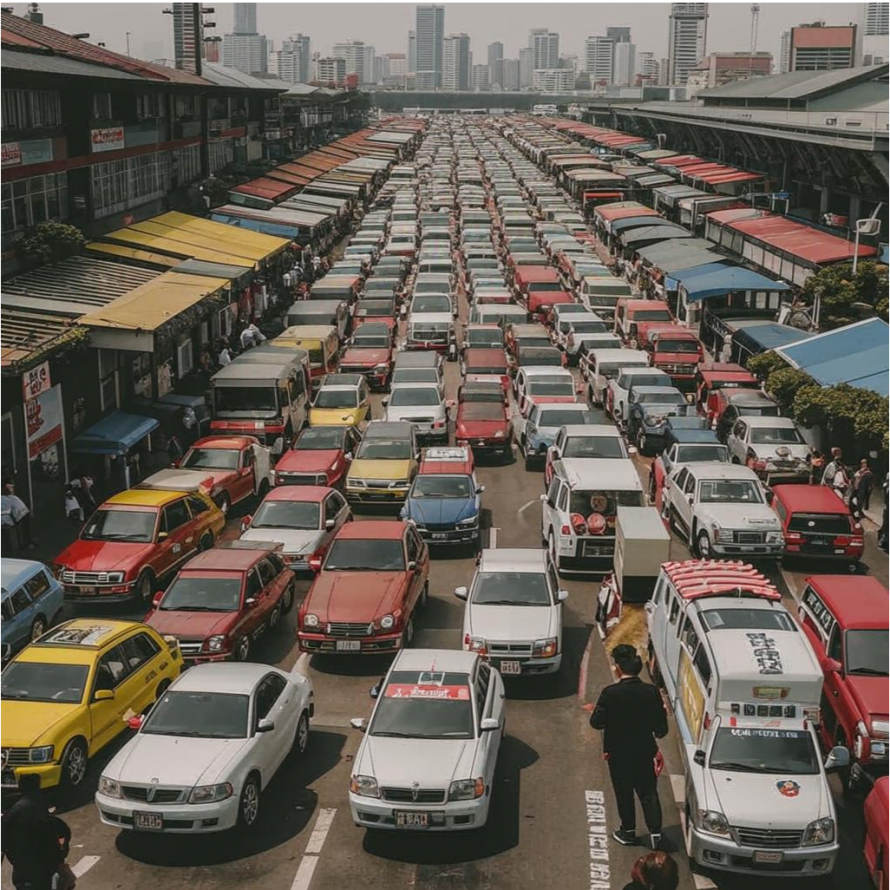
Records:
x=816, y=460
x=631, y=715
x=654, y=871
x=15, y=517
x=882, y=531
x=863, y=483
x=831, y=468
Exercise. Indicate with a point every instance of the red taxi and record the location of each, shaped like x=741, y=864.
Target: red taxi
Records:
x=487, y=363
x=362, y=602
x=674, y=349
x=221, y=602
x=711, y=377
x=374, y=363
x=877, y=834
x=320, y=456
x=845, y=620
x=483, y=418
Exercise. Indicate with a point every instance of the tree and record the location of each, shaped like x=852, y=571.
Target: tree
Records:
x=847, y=298
x=855, y=419
x=784, y=383
x=762, y=365
x=50, y=242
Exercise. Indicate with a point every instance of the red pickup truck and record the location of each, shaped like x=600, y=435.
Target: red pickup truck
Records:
x=674, y=349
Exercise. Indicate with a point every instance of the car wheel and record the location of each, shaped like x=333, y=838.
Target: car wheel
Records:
x=287, y=599
x=163, y=686
x=249, y=805
x=735, y=460
x=145, y=587
x=408, y=633
x=242, y=648
x=206, y=542
x=703, y=545
x=74, y=764
x=38, y=628
x=301, y=736
x=224, y=504
x=274, y=616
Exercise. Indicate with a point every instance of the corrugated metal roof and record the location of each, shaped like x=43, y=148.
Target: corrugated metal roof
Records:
x=232, y=77
x=26, y=335
x=795, y=84
x=38, y=63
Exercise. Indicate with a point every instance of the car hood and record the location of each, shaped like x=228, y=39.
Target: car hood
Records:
x=354, y=596
x=191, y=625
x=183, y=478
x=780, y=452
x=438, y=511
x=368, y=357
x=380, y=469
x=434, y=763
x=505, y=623
x=26, y=723
x=393, y=415
x=333, y=416
x=173, y=760
x=483, y=428
x=292, y=540
x=674, y=358
x=870, y=694
x=103, y=556
x=307, y=461
x=753, y=516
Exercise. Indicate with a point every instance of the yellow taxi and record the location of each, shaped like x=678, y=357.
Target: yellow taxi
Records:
x=385, y=464
x=342, y=400
x=67, y=695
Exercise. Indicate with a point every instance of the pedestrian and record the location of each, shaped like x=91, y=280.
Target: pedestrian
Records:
x=840, y=482
x=73, y=507
x=224, y=357
x=631, y=715
x=831, y=468
x=816, y=460
x=15, y=517
x=88, y=502
x=882, y=531
x=863, y=483
x=654, y=871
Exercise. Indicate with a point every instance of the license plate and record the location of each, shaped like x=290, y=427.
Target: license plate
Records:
x=89, y=591
x=8, y=778
x=510, y=667
x=148, y=821
x=439, y=536
x=768, y=857
x=412, y=820
x=349, y=646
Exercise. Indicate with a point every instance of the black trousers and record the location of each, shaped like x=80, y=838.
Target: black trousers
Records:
x=635, y=775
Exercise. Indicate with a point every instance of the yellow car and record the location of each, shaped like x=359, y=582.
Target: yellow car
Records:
x=70, y=693
x=342, y=400
x=385, y=464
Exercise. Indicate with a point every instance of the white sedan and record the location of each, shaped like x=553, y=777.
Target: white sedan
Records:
x=428, y=757
x=207, y=749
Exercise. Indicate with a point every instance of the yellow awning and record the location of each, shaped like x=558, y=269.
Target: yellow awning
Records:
x=261, y=245
x=178, y=249
x=134, y=253
x=152, y=304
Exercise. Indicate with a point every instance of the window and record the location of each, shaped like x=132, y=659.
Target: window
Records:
x=552, y=493
x=221, y=152
x=108, y=394
x=681, y=478
x=254, y=584
x=31, y=109
x=689, y=487
x=20, y=600
x=197, y=505
x=184, y=358
x=413, y=546
x=27, y=202
x=37, y=586
x=102, y=106
x=702, y=665
x=332, y=507
x=688, y=636
x=138, y=650
x=675, y=609
x=267, y=694
x=175, y=515
x=277, y=563
x=185, y=107
x=563, y=502
x=120, y=185
x=267, y=573
x=483, y=679
x=834, y=645
x=186, y=164
x=111, y=670
x=148, y=106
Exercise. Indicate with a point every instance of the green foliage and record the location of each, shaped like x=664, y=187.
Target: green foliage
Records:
x=761, y=366
x=841, y=291
x=784, y=383
x=856, y=416
x=49, y=242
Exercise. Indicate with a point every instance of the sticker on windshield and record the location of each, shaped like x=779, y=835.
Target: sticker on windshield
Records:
x=766, y=653
x=769, y=733
x=438, y=693
x=78, y=636
x=788, y=788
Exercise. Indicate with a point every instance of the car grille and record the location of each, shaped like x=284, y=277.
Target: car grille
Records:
x=763, y=838
x=748, y=537
x=301, y=479
x=414, y=795
x=517, y=649
x=349, y=629
x=69, y=577
x=419, y=419
x=191, y=648
x=14, y=756
x=677, y=369
x=153, y=794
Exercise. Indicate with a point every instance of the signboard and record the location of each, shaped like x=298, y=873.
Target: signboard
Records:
x=36, y=381
x=692, y=700
x=10, y=154
x=43, y=420
x=107, y=139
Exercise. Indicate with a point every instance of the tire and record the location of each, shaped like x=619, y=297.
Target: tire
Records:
x=225, y=504
x=275, y=616
x=163, y=686
x=249, y=802
x=263, y=490
x=206, y=542
x=735, y=460
x=408, y=633
x=145, y=587
x=242, y=649
x=301, y=736
x=74, y=764
x=703, y=546
x=287, y=599
x=38, y=628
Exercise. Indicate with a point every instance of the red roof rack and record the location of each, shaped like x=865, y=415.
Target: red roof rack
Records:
x=710, y=577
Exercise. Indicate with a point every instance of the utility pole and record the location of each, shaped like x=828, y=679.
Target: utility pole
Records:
x=128, y=41
x=755, y=20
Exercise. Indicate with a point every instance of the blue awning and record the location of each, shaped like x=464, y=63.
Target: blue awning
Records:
x=681, y=276
x=656, y=233
x=255, y=225
x=761, y=335
x=727, y=280
x=115, y=434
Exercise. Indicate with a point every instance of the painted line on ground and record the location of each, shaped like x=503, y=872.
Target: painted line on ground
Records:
x=309, y=862
x=531, y=503
x=301, y=665
x=582, y=672
x=83, y=865
x=597, y=840
x=493, y=537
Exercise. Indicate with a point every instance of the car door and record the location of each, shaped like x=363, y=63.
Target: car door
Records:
x=265, y=748
x=686, y=503
x=245, y=481
x=107, y=714
x=176, y=537
x=142, y=659
x=554, y=452
x=20, y=611
x=549, y=517
x=267, y=598
x=335, y=511
x=673, y=491
x=414, y=548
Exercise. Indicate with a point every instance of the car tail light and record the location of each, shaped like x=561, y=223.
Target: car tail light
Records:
x=314, y=562
x=566, y=530
x=756, y=464
x=793, y=537
x=842, y=541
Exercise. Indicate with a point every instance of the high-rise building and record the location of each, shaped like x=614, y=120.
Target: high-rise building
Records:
x=599, y=59
x=430, y=42
x=544, y=45
x=246, y=52
x=647, y=68
x=511, y=74
x=412, y=52
x=717, y=69
x=785, y=52
x=496, y=62
x=457, y=71
x=619, y=35
x=525, y=68
x=664, y=72
x=188, y=35
x=395, y=70
x=245, y=18
x=624, y=64
x=330, y=70
x=359, y=57
x=687, y=39
x=481, y=78
x=295, y=59
x=553, y=80
x=873, y=29
x=820, y=47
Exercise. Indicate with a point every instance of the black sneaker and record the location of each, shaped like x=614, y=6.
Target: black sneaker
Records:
x=625, y=838
x=660, y=842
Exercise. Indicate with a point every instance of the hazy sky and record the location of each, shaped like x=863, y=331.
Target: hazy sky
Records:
x=385, y=25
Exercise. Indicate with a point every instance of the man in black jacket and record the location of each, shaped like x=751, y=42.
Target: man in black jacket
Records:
x=631, y=715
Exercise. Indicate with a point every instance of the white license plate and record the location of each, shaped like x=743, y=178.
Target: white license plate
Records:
x=91, y=591
x=438, y=536
x=349, y=646
x=148, y=821
x=768, y=857
x=412, y=820
x=510, y=667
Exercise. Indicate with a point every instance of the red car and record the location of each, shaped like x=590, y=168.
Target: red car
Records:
x=320, y=456
x=373, y=362
x=483, y=418
x=674, y=349
x=486, y=363
x=540, y=302
x=223, y=600
x=376, y=310
x=630, y=311
x=710, y=377
x=538, y=278
x=877, y=833
x=845, y=620
x=362, y=602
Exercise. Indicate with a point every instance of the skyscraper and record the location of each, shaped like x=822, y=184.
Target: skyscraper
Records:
x=294, y=59
x=647, y=67
x=624, y=64
x=525, y=68
x=412, y=52
x=188, y=35
x=245, y=18
x=599, y=58
x=456, y=63
x=246, y=52
x=481, y=79
x=687, y=39
x=359, y=57
x=496, y=62
x=430, y=39
x=511, y=74
x=544, y=45
x=619, y=35
x=873, y=28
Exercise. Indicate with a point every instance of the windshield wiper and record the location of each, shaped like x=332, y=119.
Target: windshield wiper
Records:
x=397, y=735
x=732, y=766
x=876, y=672
x=192, y=609
x=506, y=603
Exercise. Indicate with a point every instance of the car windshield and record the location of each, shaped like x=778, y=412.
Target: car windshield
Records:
x=374, y=308
x=729, y=491
x=865, y=652
x=248, y=398
x=190, y=594
x=211, y=458
x=747, y=619
x=511, y=589
x=758, y=410
x=679, y=346
x=424, y=706
x=287, y=514
x=704, y=453
x=410, y=396
x=636, y=380
x=487, y=369
x=779, y=435
x=336, y=398
x=433, y=485
x=319, y=438
x=782, y=752
x=561, y=417
x=108, y=524
x=593, y=446
x=371, y=341
x=202, y=715
x=432, y=303
x=603, y=501
x=532, y=341
x=485, y=338
x=415, y=375
x=660, y=398
x=384, y=449
x=33, y=681
x=554, y=388
x=373, y=555
x=652, y=315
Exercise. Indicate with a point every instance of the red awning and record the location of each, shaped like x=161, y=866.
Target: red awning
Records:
x=736, y=176
x=264, y=187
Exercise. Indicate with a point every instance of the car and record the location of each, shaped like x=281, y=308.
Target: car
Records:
x=431, y=303
x=582, y=322
x=135, y=540
x=384, y=464
x=32, y=601
x=422, y=405
x=683, y=446
x=674, y=349
x=430, y=748
x=540, y=386
x=876, y=850
x=444, y=502
x=483, y=336
x=321, y=455
x=370, y=357
x=539, y=357
x=483, y=419
x=722, y=510
x=203, y=755
x=63, y=696
x=599, y=366
x=771, y=446
x=513, y=613
x=543, y=424
x=221, y=603
x=370, y=583
x=486, y=362
x=344, y=403
x=618, y=390
x=522, y=335
x=584, y=441
x=649, y=409
x=735, y=403
x=711, y=377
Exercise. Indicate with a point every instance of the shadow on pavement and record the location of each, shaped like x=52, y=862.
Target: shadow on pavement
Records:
x=551, y=686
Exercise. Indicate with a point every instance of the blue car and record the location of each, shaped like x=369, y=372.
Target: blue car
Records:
x=31, y=600
x=446, y=508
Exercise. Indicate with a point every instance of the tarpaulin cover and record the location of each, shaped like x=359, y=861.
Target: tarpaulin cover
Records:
x=660, y=233
x=622, y=209
x=729, y=279
x=760, y=335
x=630, y=222
x=115, y=434
x=683, y=275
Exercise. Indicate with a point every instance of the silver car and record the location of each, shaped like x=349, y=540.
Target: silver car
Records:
x=771, y=446
x=421, y=404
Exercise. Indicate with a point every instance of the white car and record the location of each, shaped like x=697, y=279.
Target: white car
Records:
x=513, y=614
x=428, y=757
x=421, y=404
x=771, y=446
x=201, y=758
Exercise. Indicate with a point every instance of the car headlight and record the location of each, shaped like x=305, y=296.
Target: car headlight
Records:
x=722, y=535
x=467, y=789
x=774, y=538
x=819, y=832
x=109, y=787
x=217, y=643
x=41, y=755
x=713, y=822
x=499, y=434
x=364, y=786
x=348, y=418
x=211, y=793
x=472, y=520
x=310, y=620
x=545, y=648
x=387, y=621
x=400, y=483
x=381, y=367
x=880, y=727
x=116, y=577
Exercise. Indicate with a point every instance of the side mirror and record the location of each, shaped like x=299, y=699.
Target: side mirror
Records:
x=631, y=449
x=562, y=595
x=5, y=652
x=329, y=524
x=277, y=447
x=162, y=536
x=699, y=757
x=412, y=566
x=834, y=666
x=838, y=758
x=480, y=489
x=265, y=725
x=104, y=695
x=359, y=723
x=489, y=724
x=374, y=691
x=770, y=495
x=156, y=599
x=245, y=522
x=542, y=498
x=348, y=456
x=690, y=497
x=461, y=592
x=250, y=602
x=135, y=721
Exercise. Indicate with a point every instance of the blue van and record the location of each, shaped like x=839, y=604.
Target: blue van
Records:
x=31, y=600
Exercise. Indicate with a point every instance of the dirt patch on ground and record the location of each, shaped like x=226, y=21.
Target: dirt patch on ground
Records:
x=631, y=629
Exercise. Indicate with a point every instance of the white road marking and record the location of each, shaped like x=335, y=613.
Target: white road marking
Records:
x=531, y=503
x=83, y=865
x=302, y=665
x=303, y=877
x=493, y=537
x=597, y=840
x=309, y=862
x=678, y=786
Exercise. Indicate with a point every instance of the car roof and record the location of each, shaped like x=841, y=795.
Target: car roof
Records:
x=454, y=661
x=224, y=559
x=614, y=355
x=233, y=678
x=856, y=600
x=376, y=529
x=588, y=430
x=599, y=473
x=238, y=442
x=313, y=493
x=144, y=497
x=14, y=571
x=810, y=499
x=388, y=428
x=83, y=635
x=714, y=470
x=771, y=422
x=547, y=371
x=517, y=559
x=657, y=390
